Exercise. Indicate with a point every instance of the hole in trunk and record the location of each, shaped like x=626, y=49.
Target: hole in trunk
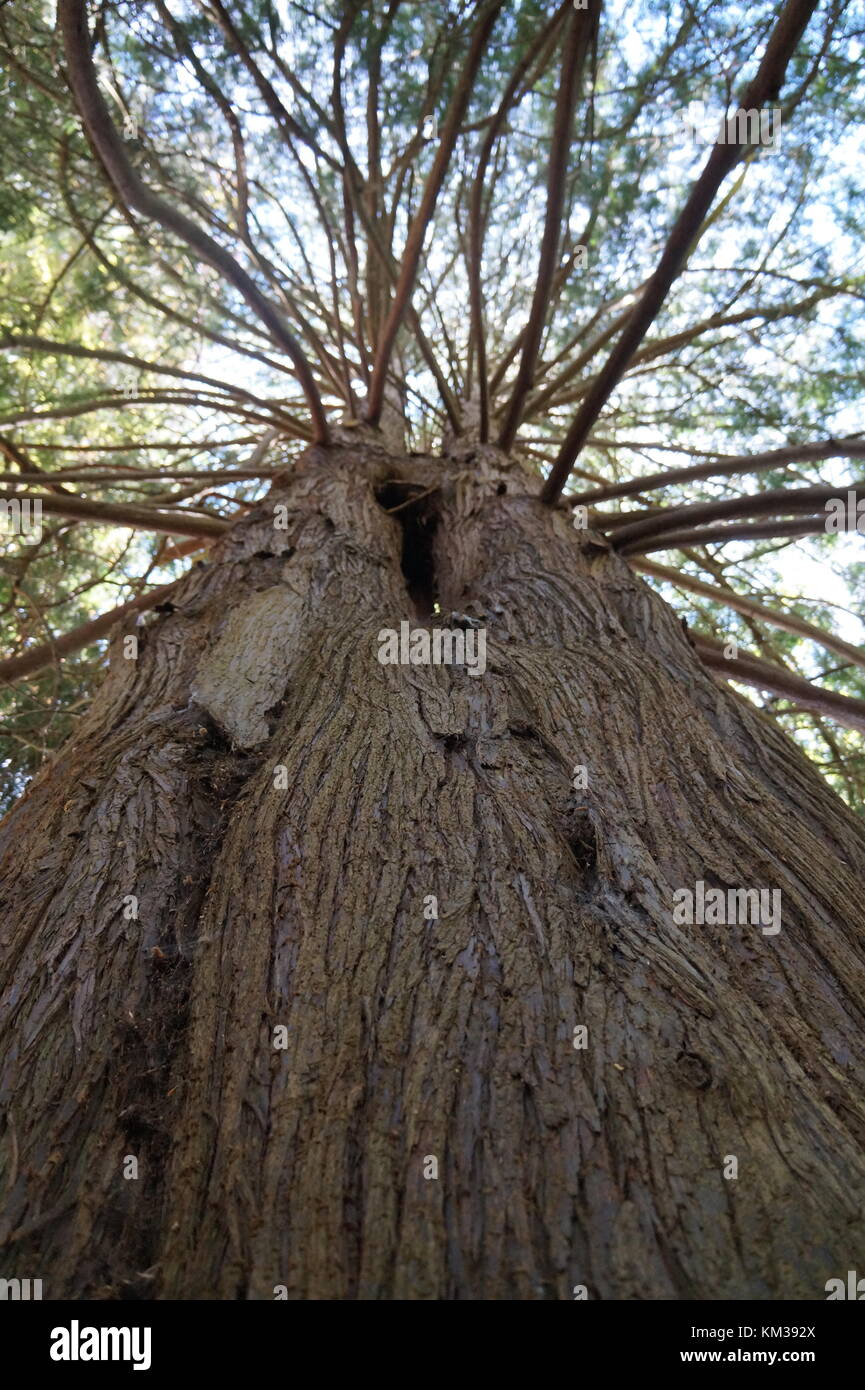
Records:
x=418, y=520
x=583, y=842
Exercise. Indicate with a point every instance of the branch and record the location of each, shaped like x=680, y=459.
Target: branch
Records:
x=776, y=501
x=581, y=28
x=146, y=396
x=29, y=342
x=745, y=531
x=109, y=147
x=765, y=87
x=121, y=514
x=355, y=200
x=185, y=49
x=786, y=621
x=663, y=347
x=477, y=333
x=286, y=123
x=763, y=675
x=415, y=239
x=724, y=466
x=53, y=479
x=15, y=454
x=37, y=658
x=116, y=271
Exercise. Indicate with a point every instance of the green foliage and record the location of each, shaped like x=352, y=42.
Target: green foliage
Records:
x=759, y=344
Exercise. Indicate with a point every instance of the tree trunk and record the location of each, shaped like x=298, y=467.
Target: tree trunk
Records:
x=283, y=807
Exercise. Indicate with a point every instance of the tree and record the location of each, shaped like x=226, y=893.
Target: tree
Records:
x=332, y=967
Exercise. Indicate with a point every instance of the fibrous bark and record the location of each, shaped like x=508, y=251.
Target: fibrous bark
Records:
x=283, y=806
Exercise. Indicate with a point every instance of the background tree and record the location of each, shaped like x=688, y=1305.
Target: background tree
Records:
x=319, y=317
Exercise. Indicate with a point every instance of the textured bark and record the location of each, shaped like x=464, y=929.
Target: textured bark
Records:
x=408, y=1038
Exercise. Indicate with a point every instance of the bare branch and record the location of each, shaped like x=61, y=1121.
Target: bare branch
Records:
x=582, y=25
x=415, y=239
x=788, y=622
x=121, y=514
x=782, y=43
x=28, y=342
x=477, y=333
x=763, y=675
x=37, y=658
x=776, y=501
x=722, y=466
x=109, y=147
x=744, y=531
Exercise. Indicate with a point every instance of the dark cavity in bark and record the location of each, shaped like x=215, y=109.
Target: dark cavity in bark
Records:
x=417, y=517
